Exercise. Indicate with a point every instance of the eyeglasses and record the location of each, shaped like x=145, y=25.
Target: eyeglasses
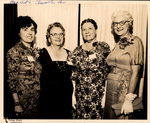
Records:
x=56, y=35
x=121, y=23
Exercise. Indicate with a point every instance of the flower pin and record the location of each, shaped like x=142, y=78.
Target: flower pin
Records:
x=125, y=42
x=92, y=56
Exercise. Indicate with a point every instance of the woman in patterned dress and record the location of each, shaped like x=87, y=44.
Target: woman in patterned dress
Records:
x=24, y=69
x=56, y=86
x=89, y=73
x=126, y=61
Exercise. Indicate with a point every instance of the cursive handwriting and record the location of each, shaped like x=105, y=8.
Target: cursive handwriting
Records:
x=61, y=1
x=36, y=2
x=21, y=1
x=46, y=2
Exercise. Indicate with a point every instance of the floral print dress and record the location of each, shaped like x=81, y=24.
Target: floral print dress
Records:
x=23, y=77
x=89, y=73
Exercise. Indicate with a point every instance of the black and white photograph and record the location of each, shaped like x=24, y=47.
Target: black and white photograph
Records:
x=74, y=61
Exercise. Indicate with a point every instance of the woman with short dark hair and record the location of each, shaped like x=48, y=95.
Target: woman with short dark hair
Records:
x=24, y=69
x=89, y=73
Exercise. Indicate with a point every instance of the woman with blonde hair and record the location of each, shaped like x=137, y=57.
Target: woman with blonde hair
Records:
x=56, y=86
x=126, y=62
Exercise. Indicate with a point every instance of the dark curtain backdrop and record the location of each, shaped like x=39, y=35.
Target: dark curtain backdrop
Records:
x=10, y=14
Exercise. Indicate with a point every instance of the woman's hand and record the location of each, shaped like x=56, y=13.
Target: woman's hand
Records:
x=127, y=106
x=73, y=101
x=18, y=109
x=73, y=96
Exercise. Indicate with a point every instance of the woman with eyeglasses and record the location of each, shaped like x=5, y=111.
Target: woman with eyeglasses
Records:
x=126, y=61
x=89, y=73
x=56, y=86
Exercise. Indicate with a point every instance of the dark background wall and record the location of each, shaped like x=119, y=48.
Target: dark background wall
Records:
x=10, y=14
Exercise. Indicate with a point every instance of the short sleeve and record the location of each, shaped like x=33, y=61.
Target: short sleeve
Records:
x=106, y=49
x=74, y=74
x=71, y=60
x=137, y=52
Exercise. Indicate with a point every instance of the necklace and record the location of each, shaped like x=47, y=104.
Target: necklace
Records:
x=61, y=65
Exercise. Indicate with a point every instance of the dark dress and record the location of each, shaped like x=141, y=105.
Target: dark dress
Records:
x=24, y=77
x=89, y=73
x=56, y=88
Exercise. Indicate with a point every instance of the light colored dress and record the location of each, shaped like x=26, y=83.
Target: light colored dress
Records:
x=24, y=77
x=118, y=80
x=89, y=73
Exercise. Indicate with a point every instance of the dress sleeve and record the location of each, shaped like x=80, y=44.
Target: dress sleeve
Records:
x=13, y=63
x=40, y=55
x=71, y=59
x=137, y=52
x=106, y=50
x=105, y=67
x=74, y=74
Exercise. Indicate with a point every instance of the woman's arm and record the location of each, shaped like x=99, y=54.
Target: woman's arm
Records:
x=13, y=63
x=127, y=105
x=73, y=96
x=18, y=107
x=137, y=59
x=134, y=77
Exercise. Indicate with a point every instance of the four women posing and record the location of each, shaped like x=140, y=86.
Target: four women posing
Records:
x=76, y=79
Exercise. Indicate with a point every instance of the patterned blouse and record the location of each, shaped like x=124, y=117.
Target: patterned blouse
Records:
x=90, y=73
x=24, y=74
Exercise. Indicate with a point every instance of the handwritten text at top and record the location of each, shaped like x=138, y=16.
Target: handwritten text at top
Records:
x=36, y=1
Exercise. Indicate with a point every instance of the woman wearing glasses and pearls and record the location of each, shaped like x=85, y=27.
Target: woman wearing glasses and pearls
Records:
x=56, y=86
x=126, y=61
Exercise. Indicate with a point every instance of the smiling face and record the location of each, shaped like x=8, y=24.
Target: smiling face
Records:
x=88, y=32
x=121, y=26
x=56, y=36
x=27, y=34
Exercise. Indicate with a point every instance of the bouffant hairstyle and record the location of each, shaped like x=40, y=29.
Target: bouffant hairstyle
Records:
x=50, y=26
x=24, y=21
x=128, y=17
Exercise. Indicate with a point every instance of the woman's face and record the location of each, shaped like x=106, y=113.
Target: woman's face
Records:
x=88, y=32
x=27, y=34
x=56, y=36
x=121, y=26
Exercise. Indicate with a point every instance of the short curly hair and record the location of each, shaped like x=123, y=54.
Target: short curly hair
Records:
x=128, y=17
x=91, y=21
x=24, y=21
x=50, y=26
